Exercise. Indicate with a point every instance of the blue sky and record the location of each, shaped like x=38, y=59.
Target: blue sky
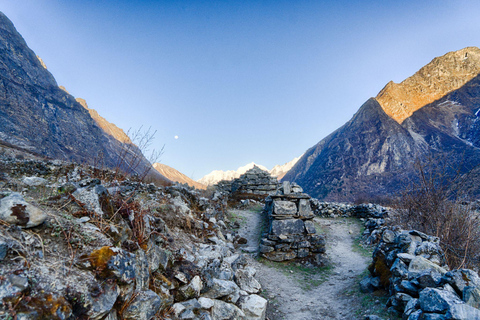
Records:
x=237, y=81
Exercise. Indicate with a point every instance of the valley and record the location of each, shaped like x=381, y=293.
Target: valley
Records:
x=380, y=219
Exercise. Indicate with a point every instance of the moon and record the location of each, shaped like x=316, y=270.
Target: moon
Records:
x=176, y=137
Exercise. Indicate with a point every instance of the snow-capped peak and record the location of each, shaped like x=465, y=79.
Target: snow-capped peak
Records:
x=219, y=175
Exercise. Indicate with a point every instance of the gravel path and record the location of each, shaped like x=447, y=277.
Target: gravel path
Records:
x=292, y=296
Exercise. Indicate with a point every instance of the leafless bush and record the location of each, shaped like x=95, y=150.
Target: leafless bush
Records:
x=435, y=203
x=131, y=161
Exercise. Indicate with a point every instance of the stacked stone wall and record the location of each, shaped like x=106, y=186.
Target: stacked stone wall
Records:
x=291, y=232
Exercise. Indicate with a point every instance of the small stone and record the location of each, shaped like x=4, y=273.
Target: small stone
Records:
x=143, y=307
x=3, y=249
x=254, y=307
x=205, y=303
x=15, y=210
x=34, y=181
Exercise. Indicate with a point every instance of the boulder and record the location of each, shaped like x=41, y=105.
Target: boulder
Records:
x=226, y=311
x=221, y=288
x=310, y=227
x=89, y=196
x=287, y=227
x=399, y=269
x=114, y=262
x=205, y=303
x=429, y=278
x=103, y=303
x=419, y=264
x=15, y=210
x=388, y=236
x=436, y=300
x=144, y=306
x=304, y=209
x=246, y=281
x=12, y=285
x=366, y=285
x=471, y=296
x=254, y=307
x=461, y=278
x=34, y=181
x=463, y=312
x=283, y=208
x=190, y=290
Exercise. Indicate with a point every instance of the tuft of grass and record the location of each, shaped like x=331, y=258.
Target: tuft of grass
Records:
x=236, y=218
x=370, y=303
x=307, y=276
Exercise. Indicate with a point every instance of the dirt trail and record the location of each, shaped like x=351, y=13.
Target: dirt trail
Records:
x=293, y=296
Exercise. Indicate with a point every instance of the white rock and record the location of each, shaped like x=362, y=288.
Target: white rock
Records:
x=254, y=307
x=15, y=210
x=225, y=311
x=206, y=303
x=178, y=308
x=34, y=181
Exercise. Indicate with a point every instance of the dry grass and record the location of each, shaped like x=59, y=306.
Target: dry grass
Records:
x=435, y=204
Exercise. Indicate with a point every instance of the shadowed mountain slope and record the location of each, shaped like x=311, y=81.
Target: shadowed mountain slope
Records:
x=37, y=115
x=372, y=154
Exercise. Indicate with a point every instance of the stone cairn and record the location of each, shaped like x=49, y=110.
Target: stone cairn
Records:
x=411, y=266
x=291, y=233
x=254, y=181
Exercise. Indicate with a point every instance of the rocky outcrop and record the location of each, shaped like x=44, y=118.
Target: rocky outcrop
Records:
x=176, y=176
x=291, y=232
x=99, y=248
x=411, y=266
x=37, y=115
x=372, y=155
x=432, y=82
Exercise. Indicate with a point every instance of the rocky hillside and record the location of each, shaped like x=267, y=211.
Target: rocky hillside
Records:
x=176, y=176
x=435, y=112
x=37, y=115
x=76, y=243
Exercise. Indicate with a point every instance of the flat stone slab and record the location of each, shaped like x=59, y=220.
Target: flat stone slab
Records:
x=287, y=227
x=284, y=208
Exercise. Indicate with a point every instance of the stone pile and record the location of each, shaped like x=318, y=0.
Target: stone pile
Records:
x=334, y=209
x=116, y=250
x=330, y=209
x=411, y=266
x=291, y=232
x=256, y=181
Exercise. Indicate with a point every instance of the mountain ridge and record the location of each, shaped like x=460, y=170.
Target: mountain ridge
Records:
x=38, y=115
x=373, y=153
x=176, y=176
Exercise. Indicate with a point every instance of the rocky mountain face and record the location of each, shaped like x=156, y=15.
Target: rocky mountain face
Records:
x=435, y=112
x=176, y=176
x=279, y=171
x=37, y=115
